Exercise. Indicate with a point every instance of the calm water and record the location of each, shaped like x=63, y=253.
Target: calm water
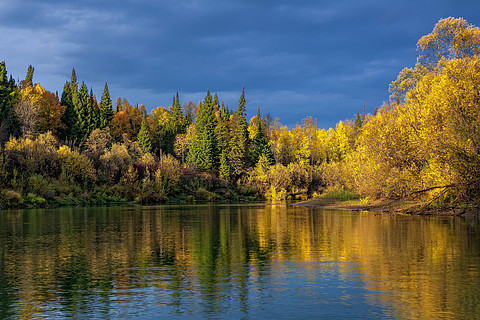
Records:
x=236, y=261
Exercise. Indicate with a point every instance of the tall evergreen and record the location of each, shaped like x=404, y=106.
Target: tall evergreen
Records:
x=29, y=77
x=203, y=151
x=95, y=110
x=216, y=104
x=143, y=138
x=239, y=145
x=74, y=89
x=224, y=169
x=358, y=121
x=70, y=99
x=106, y=111
x=175, y=124
x=8, y=121
x=260, y=143
x=86, y=119
x=222, y=130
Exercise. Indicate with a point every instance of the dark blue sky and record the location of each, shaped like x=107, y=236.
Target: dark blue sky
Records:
x=296, y=58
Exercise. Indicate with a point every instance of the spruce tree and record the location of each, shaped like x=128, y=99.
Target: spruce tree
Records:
x=106, y=111
x=260, y=144
x=222, y=131
x=143, y=138
x=224, y=169
x=29, y=77
x=358, y=121
x=69, y=117
x=203, y=151
x=86, y=113
x=175, y=125
x=70, y=99
x=239, y=145
x=8, y=120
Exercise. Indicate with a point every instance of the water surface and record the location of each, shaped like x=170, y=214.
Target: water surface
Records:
x=236, y=261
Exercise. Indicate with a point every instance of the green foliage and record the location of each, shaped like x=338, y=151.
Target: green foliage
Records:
x=143, y=138
x=260, y=143
x=8, y=120
x=105, y=108
x=203, y=153
x=424, y=142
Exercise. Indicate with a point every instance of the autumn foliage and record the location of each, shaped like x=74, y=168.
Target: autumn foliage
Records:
x=424, y=142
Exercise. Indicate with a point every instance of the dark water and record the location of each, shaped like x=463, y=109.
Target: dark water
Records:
x=236, y=261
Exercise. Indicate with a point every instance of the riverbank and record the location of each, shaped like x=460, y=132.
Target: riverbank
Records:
x=411, y=207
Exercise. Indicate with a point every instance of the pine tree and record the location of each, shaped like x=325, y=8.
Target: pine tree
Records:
x=86, y=113
x=175, y=125
x=203, y=152
x=358, y=121
x=70, y=99
x=143, y=138
x=224, y=169
x=222, y=130
x=8, y=120
x=28, y=78
x=260, y=143
x=106, y=111
x=69, y=117
x=95, y=109
x=74, y=90
x=239, y=145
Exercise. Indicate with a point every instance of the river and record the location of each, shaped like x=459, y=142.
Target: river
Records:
x=245, y=261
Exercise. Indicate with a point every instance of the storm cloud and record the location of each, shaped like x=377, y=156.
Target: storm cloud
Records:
x=323, y=59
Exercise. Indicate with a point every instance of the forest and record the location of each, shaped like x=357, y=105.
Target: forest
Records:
x=424, y=142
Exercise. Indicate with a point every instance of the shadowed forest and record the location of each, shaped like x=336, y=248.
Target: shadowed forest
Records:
x=71, y=148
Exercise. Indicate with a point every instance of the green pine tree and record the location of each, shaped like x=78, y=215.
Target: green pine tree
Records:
x=203, y=152
x=106, y=111
x=29, y=77
x=260, y=144
x=143, y=138
x=86, y=113
x=358, y=121
x=239, y=145
x=224, y=169
x=8, y=91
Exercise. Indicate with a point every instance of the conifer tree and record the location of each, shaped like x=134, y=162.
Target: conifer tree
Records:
x=106, y=112
x=358, y=121
x=8, y=120
x=86, y=113
x=143, y=138
x=74, y=89
x=95, y=110
x=239, y=145
x=175, y=125
x=29, y=77
x=222, y=130
x=203, y=152
x=224, y=169
x=69, y=117
x=260, y=144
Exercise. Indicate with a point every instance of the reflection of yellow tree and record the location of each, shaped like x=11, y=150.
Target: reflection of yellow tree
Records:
x=413, y=266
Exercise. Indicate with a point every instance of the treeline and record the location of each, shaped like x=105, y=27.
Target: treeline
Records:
x=424, y=142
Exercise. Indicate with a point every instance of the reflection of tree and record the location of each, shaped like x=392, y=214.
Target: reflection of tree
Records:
x=7, y=292
x=219, y=258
